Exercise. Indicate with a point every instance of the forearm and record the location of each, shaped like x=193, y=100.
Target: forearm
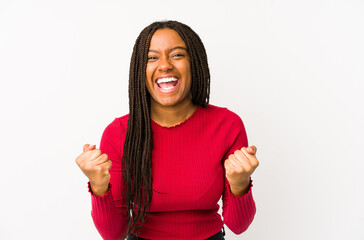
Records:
x=109, y=220
x=238, y=211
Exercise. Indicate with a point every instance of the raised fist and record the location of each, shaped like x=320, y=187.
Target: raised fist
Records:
x=95, y=166
x=239, y=166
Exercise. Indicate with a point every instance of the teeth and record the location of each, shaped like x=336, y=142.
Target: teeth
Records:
x=170, y=79
x=168, y=88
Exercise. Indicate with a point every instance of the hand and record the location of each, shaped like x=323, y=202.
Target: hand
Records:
x=239, y=166
x=95, y=166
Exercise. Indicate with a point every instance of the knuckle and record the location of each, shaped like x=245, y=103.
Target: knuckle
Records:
x=86, y=165
x=249, y=169
x=94, y=153
x=97, y=168
x=255, y=163
x=79, y=158
x=81, y=164
x=105, y=156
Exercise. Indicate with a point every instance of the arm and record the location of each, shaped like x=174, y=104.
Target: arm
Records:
x=238, y=208
x=238, y=211
x=109, y=210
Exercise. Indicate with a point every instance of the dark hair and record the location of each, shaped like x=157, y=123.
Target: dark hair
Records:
x=137, y=163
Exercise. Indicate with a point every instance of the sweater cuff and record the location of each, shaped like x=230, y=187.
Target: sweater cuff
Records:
x=97, y=196
x=244, y=195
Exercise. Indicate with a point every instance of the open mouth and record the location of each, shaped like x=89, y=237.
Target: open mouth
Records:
x=167, y=84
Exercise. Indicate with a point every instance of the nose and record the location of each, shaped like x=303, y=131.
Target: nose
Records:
x=165, y=64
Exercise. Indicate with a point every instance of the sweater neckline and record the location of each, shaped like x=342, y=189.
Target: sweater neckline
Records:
x=178, y=124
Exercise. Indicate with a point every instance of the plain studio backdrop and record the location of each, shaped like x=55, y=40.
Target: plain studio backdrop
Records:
x=292, y=70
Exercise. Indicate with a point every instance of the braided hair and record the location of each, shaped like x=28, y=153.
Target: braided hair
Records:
x=138, y=145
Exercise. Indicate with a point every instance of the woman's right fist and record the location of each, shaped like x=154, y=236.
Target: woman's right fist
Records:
x=95, y=166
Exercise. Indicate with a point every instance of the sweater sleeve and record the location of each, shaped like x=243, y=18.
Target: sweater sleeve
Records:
x=109, y=211
x=238, y=211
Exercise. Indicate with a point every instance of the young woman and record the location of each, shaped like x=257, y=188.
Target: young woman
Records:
x=162, y=168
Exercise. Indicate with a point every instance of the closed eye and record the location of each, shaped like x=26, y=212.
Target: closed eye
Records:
x=151, y=58
x=178, y=55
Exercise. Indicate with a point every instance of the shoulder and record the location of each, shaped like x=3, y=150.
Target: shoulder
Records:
x=117, y=127
x=223, y=113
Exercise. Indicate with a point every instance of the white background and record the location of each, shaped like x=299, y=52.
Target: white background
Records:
x=292, y=70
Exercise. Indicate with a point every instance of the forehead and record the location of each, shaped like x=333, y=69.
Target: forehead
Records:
x=166, y=38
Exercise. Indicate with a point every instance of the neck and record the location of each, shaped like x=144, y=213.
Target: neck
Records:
x=168, y=116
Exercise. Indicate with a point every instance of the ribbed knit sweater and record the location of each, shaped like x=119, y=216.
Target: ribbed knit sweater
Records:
x=188, y=179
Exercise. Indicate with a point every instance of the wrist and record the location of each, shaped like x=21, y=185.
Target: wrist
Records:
x=99, y=190
x=241, y=189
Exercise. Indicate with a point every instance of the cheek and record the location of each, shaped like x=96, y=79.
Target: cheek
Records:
x=185, y=70
x=188, y=75
x=149, y=75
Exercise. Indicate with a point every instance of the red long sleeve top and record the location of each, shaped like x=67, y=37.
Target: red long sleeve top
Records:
x=188, y=179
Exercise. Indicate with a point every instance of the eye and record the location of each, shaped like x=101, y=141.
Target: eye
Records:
x=178, y=55
x=152, y=58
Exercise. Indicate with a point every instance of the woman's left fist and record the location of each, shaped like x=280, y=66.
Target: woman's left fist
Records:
x=239, y=166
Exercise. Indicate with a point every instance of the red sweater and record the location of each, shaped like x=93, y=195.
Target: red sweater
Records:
x=188, y=179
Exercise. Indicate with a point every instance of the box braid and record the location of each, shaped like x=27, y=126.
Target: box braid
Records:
x=138, y=145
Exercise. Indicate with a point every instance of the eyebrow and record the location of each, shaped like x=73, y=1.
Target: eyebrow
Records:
x=170, y=50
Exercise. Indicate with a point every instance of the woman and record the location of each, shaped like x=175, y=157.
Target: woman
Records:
x=162, y=168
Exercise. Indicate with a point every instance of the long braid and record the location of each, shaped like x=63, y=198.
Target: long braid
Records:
x=138, y=145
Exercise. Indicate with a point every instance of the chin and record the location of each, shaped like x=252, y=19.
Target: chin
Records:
x=167, y=104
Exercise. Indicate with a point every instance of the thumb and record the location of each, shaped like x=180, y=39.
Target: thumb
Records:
x=251, y=150
x=88, y=147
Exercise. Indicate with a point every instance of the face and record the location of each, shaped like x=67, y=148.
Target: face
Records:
x=168, y=69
